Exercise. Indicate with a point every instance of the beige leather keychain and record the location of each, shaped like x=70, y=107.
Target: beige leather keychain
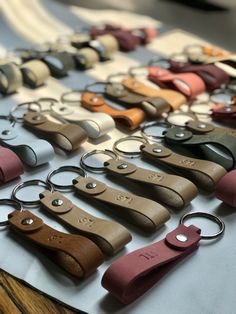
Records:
x=69, y=136
x=171, y=190
x=205, y=174
x=144, y=213
x=109, y=236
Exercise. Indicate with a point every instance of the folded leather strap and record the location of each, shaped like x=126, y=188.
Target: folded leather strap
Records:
x=225, y=189
x=203, y=173
x=94, y=124
x=10, y=78
x=33, y=152
x=131, y=117
x=86, y=58
x=67, y=136
x=11, y=166
x=212, y=76
x=173, y=98
x=207, y=141
x=76, y=254
x=59, y=63
x=142, y=212
x=224, y=112
x=189, y=84
x=154, y=107
x=108, y=235
x=172, y=190
x=35, y=73
x=132, y=275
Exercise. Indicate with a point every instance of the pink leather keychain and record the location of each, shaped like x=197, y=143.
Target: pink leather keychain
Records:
x=132, y=275
x=189, y=84
x=225, y=189
x=11, y=166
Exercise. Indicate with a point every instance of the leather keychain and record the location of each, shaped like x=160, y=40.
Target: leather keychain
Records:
x=131, y=118
x=207, y=140
x=10, y=78
x=225, y=189
x=11, y=166
x=33, y=152
x=76, y=254
x=108, y=235
x=142, y=212
x=95, y=124
x=172, y=190
x=35, y=73
x=212, y=76
x=189, y=84
x=132, y=275
x=68, y=137
x=205, y=174
x=153, y=107
x=173, y=98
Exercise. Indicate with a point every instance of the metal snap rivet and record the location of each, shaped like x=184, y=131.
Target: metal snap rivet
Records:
x=201, y=126
x=157, y=150
x=6, y=132
x=182, y=237
x=179, y=135
x=91, y=185
x=27, y=221
x=57, y=202
x=122, y=166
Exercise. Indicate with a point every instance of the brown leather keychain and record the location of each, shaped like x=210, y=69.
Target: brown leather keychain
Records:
x=131, y=118
x=109, y=236
x=68, y=136
x=171, y=190
x=205, y=174
x=144, y=213
x=76, y=254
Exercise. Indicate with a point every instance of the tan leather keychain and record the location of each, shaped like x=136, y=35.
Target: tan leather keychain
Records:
x=205, y=174
x=144, y=213
x=76, y=254
x=67, y=136
x=109, y=236
x=172, y=190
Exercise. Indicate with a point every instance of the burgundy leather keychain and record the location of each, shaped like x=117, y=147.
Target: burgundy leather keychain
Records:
x=11, y=166
x=132, y=275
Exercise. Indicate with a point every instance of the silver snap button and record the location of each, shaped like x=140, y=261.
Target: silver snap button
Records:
x=157, y=150
x=91, y=185
x=57, y=202
x=122, y=166
x=182, y=237
x=179, y=135
x=27, y=221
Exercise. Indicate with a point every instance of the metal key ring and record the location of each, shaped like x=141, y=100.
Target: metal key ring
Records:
x=22, y=185
x=96, y=169
x=151, y=137
x=28, y=106
x=17, y=205
x=126, y=154
x=211, y=217
x=63, y=187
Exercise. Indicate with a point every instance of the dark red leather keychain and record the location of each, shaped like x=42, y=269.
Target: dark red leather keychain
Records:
x=132, y=275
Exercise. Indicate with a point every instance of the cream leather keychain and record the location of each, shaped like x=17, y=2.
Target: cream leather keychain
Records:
x=205, y=174
x=95, y=124
x=68, y=137
x=172, y=190
x=144, y=213
x=33, y=152
x=108, y=235
x=76, y=254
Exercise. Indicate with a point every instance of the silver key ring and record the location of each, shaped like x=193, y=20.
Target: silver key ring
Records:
x=211, y=217
x=25, y=184
x=13, y=203
x=96, y=169
x=28, y=106
x=128, y=154
x=152, y=137
x=63, y=187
